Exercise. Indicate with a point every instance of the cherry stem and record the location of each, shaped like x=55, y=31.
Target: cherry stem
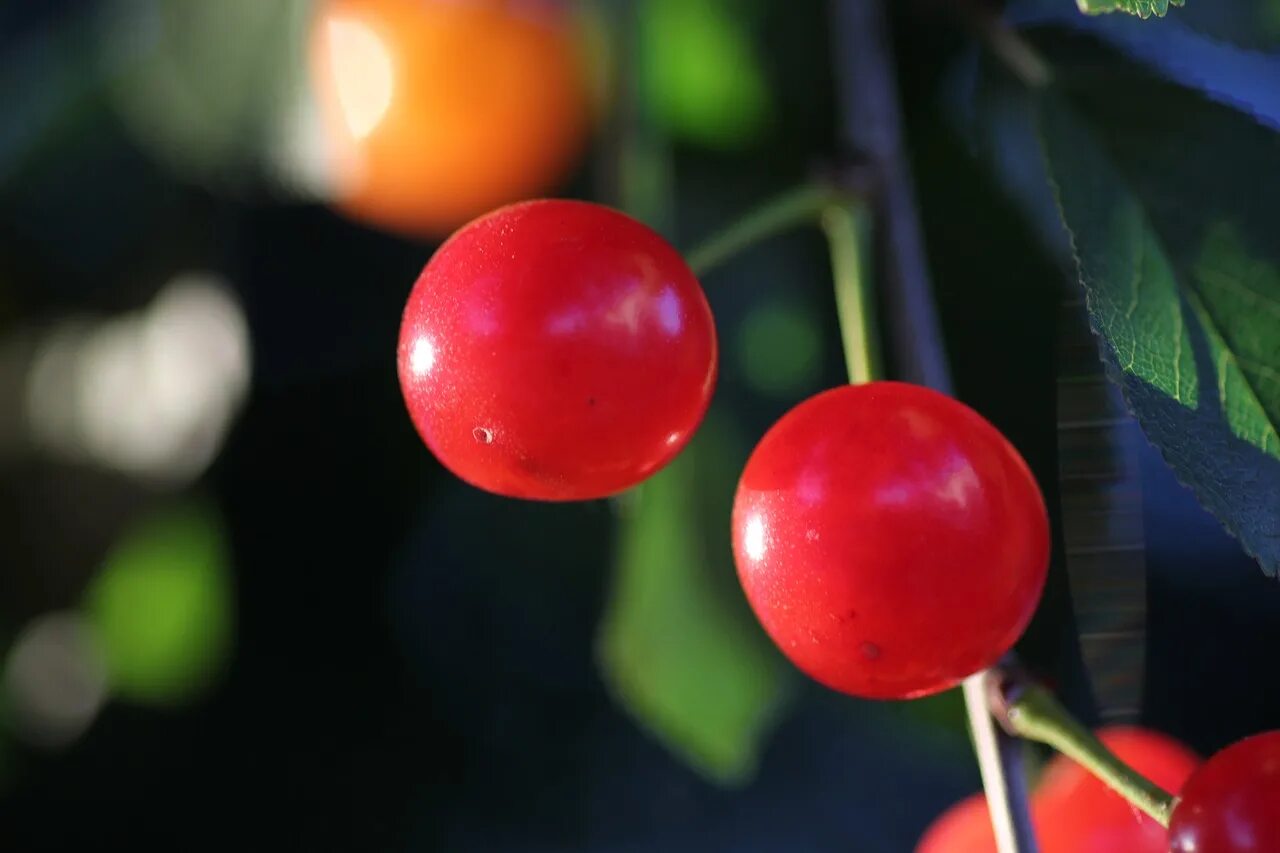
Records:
x=800, y=206
x=848, y=230
x=1031, y=712
x=847, y=226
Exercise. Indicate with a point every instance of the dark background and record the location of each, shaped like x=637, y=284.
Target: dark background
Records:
x=413, y=662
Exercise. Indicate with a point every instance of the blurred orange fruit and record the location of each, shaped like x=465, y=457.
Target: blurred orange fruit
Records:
x=440, y=110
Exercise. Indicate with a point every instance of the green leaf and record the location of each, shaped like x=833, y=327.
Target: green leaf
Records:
x=1141, y=8
x=678, y=646
x=162, y=607
x=1172, y=203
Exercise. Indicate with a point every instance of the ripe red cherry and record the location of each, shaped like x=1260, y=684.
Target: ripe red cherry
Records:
x=1072, y=810
x=889, y=539
x=556, y=350
x=1232, y=803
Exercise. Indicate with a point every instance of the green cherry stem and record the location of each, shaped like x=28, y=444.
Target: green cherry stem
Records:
x=1031, y=712
x=800, y=206
x=847, y=226
x=848, y=230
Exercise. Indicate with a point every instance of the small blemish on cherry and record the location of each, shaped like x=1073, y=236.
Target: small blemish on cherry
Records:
x=482, y=435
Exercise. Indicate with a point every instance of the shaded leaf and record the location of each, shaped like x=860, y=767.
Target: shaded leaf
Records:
x=1171, y=201
x=678, y=646
x=1203, y=48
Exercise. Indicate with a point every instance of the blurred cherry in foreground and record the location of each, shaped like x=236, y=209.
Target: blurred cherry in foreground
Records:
x=440, y=110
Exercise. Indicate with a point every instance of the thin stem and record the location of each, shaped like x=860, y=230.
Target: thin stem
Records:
x=847, y=226
x=1036, y=715
x=848, y=230
x=796, y=207
x=1000, y=763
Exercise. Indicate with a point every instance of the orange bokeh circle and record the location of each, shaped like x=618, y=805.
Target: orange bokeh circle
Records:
x=440, y=110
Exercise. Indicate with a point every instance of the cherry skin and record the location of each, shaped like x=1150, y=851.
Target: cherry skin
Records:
x=1232, y=803
x=1072, y=810
x=556, y=350
x=889, y=539
x=439, y=110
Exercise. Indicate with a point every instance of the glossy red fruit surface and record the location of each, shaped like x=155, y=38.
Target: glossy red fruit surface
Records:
x=1074, y=812
x=1232, y=803
x=556, y=350
x=889, y=539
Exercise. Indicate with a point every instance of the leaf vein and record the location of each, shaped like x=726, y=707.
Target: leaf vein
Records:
x=1177, y=351
x=1135, y=282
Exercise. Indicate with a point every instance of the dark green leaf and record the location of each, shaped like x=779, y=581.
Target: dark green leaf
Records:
x=678, y=646
x=1172, y=203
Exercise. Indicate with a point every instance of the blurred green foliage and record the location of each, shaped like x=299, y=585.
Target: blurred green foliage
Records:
x=780, y=348
x=678, y=644
x=701, y=73
x=163, y=607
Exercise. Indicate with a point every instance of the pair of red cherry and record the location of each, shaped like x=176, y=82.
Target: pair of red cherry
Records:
x=890, y=540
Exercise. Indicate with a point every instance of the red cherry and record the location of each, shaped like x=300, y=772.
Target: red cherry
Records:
x=963, y=828
x=1072, y=810
x=556, y=350
x=1232, y=803
x=1075, y=812
x=889, y=539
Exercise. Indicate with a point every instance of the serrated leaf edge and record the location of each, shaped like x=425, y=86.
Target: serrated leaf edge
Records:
x=1113, y=369
x=1143, y=9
